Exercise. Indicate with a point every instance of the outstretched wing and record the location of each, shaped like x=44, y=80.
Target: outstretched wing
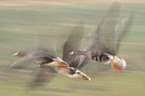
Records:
x=105, y=32
x=40, y=49
x=122, y=28
x=74, y=43
x=19, y=63
x=79, y=61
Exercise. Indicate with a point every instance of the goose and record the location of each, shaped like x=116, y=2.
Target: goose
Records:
x=75, y=62
x=47, y=61
x=44, y=60
x=40, y=57
x=105, y=40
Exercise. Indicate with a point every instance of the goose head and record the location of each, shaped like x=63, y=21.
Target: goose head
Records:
x=19, y=54
x=77, y=52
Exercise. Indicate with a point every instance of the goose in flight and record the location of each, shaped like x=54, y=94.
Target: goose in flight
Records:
x=105, y=40
x=68, y=65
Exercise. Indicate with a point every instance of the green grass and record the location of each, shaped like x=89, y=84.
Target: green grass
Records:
x=20, y=25
x=110, y=84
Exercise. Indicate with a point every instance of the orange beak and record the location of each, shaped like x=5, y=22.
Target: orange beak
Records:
x=115, y=67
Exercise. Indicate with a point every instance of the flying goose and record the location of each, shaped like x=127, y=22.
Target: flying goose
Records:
x=47, y=61
x=39, y=57
x=75, y=62
x=105, y=40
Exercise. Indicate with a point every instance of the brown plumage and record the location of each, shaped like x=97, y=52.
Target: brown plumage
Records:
x=75, y=62
x=74, y=42
x=106, y=39
x=39, y=57
x=46, y=61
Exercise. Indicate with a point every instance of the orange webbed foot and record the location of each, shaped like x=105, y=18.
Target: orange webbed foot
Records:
x=115, y=67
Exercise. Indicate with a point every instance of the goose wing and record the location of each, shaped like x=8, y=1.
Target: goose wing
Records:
x=19, y=63
x=122, y=28
x=74, y=43
x=41, y=75
x=105, y=32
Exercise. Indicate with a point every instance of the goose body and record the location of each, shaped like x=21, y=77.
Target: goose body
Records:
x=72, y=72
x=46, y=62
x=38, y=57
x=69, y=65
x=69, y=71
x=75, y=62
x=105, y=40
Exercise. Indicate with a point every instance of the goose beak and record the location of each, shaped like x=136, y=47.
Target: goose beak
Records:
x=38, y=65
x=15, y=54
x=115, y=67
x=71, y=53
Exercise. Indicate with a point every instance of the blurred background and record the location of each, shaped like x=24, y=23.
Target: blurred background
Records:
x=22, y=20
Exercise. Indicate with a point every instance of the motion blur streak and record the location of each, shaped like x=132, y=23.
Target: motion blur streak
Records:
x=21, y=21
